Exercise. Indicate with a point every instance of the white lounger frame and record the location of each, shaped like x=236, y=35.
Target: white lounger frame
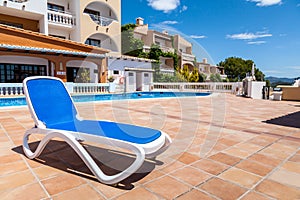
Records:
x=141, y=151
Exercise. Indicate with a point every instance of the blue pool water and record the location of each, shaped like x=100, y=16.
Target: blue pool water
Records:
x=20, y=101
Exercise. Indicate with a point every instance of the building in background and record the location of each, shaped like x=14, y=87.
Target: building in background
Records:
x=174, y=44
x=208, y=69
x=167, y=43
x=26, y=53
x=96, y=23
x=90, y=25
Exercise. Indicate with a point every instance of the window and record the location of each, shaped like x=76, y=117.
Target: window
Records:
x=116, y=72
x=18, y=1
x=54, y=7
x=58, y=36
x=93, y=42
x=91, y=12
x=146, y=75
x=12, y=24
x=16, y=73
x=130, y=74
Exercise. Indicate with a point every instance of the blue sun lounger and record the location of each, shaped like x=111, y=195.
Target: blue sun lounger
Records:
x=55, y=115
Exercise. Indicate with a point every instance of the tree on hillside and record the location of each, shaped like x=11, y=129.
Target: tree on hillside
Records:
x=130, y=46
x=237, y=68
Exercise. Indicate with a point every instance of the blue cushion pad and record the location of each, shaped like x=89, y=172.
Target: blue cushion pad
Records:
x=125, y=132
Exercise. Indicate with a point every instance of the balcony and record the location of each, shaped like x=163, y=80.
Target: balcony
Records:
x=100, y=20
x=167, y=49
x=61, y=18
x=188, y=57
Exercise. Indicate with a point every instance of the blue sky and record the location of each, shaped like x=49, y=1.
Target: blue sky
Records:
x=265, y=31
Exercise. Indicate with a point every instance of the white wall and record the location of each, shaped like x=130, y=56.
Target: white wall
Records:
x=256, y=89
x=34, y=9
x=36, y=6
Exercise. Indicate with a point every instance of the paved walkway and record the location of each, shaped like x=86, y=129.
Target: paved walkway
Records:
x=224, y=147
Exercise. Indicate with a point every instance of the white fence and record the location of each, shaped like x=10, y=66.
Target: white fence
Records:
x=88, y=87
x=198, y=87
x=11, y=89
x=16, y=89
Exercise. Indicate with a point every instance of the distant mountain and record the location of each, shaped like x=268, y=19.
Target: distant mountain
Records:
x=280, y=81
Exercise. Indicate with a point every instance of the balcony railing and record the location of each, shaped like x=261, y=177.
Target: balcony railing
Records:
x=188, y=57
x=61, y=18
x=167, y=49
x=102, y=21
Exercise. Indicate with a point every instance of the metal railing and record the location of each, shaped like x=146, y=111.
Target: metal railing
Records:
x=102, y=21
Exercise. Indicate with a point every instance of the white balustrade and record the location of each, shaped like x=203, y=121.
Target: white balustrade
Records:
x=62, y=18
x=16, y=89
x=198, y=87
x=12, y=89
x=90, y=88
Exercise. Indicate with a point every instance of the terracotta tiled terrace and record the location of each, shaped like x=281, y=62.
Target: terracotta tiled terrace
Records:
x=224, y=147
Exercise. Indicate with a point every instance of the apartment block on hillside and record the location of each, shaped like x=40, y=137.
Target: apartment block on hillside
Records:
x=167, y=43
x=173, y=43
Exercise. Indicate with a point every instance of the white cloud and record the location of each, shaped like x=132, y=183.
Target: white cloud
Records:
x=257, y=42
x=285, y=71
x=282, y=35
x=164, y=5
x=169, y=22
x=184, y=8
x=295, y=67
x=198, y=36
x=298, y=5
x=272, y=72
x=248, y=36
x=262, y=3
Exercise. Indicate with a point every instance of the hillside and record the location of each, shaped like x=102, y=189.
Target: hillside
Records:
x=280, y=81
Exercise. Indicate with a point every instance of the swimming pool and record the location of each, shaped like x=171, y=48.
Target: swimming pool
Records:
x=21, y=101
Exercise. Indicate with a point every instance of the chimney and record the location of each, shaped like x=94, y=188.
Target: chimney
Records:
x=204, y=60
x=139, y=21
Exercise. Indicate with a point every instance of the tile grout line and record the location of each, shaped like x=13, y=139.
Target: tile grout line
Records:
x=272, y=171
x=29, y=167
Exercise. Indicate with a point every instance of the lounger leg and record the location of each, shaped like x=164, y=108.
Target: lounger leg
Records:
x=84, y=155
